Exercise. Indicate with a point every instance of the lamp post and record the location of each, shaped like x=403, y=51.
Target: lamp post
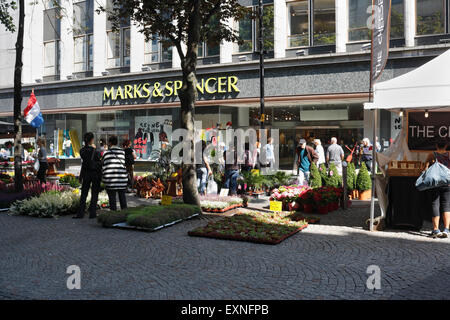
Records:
x=261, y=61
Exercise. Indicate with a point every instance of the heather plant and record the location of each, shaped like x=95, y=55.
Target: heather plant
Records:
x=334, y=179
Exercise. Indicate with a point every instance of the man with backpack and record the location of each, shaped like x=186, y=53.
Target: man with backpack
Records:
x=90, y=175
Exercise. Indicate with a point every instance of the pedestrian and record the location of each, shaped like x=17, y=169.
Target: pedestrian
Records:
x=90, y=175
x=255, y=155
x=366, y=153
x=203, y=170
x=231, y=171
x=248, y=158
x=305, y=156
x=42, y=159
x=270, y=155
x=335, y=155
x=440, y=197
x=320, y=151
x=130, y=157
x=114, y=174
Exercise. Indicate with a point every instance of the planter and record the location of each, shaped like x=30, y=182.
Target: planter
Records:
x=307, y=208
x=365, y=195
x=322, y=210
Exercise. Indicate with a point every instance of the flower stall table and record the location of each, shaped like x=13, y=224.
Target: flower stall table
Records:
x=407, y=206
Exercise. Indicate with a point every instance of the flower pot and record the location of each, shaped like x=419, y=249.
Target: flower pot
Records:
x=365, y=195
x=308, y=208
x=322, y=209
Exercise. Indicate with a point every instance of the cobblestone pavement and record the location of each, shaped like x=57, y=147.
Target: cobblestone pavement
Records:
x=325, y=261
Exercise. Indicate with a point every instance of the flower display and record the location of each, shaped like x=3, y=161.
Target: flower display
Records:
x=214, y=203
x=288, y=193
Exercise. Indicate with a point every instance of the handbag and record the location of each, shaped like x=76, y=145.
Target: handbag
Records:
x=212, y=187
x=437, y=175
x=350, y=156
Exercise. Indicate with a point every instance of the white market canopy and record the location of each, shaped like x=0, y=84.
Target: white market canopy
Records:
x=426, y=87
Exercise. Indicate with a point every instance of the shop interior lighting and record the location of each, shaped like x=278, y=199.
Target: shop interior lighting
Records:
x=401, y=113
x=426, y=114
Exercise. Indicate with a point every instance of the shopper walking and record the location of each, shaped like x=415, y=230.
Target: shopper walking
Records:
x=366, y=153
x=90, y=175
x=440, y=197
x=305, y=156
x=335, y=155
x=203, y=171
x=320, y=151
x=42, y=159
x=130, y=157
x=231, y=172
x=114, y=174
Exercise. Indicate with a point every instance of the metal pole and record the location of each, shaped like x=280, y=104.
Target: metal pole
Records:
x=374, y=168
x=261, y=60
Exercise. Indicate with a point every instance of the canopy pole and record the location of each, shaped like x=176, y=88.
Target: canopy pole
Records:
x=374, y=169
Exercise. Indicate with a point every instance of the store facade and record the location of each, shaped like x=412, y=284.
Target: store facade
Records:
x=306, y=97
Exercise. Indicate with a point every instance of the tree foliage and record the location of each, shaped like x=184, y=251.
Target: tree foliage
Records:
x=6, y=6
x=316, y=179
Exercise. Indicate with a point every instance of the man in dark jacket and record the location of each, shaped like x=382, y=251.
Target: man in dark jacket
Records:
x=305, y=156
x=91, y=176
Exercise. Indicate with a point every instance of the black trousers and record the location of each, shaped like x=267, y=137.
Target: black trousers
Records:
x=440, y=200
x=43, y=166
x=92, y=182
x=112, y=199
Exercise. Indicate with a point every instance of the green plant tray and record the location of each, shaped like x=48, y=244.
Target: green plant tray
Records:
x=124, y=225
x=246, y=239
x=234, y=206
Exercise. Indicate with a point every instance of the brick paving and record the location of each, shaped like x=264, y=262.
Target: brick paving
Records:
x=325, y=261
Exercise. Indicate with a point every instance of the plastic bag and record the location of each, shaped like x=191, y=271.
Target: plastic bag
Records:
x=212, y=186
x=36, y=165
x=437, y=175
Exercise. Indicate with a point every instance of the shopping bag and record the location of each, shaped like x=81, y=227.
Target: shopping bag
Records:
x=36, y=165
x=437, y=175
x=212, y=186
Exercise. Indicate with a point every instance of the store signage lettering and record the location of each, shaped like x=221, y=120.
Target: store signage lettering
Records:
x=170, y=88
x=423, y=132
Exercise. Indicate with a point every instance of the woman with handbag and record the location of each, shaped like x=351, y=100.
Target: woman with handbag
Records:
x=115, y=176
x=42, y=160
x=90, y=176
x=440, y=197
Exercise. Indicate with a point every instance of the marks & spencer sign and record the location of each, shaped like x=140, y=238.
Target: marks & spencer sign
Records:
x=156, y=89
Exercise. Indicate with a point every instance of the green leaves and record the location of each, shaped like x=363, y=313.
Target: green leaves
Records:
x=6, y=6
x=363, y=180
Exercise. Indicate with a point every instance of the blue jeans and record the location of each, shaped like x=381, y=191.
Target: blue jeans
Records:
x=202, y=175
x=230, y=181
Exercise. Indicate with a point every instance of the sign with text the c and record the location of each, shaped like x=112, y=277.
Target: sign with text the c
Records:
x=424, y=132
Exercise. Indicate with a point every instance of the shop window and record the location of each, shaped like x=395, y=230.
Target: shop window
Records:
x=156, y=51
x=52, y=32
x=83, y=39
x=430, y=17
x=324, y=22
x=359, y=13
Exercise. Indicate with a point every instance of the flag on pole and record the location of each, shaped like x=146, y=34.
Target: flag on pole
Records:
x=381, y=19
x=32, y=112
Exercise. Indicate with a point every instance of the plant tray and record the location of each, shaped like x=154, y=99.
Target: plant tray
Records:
x=234, y=206
x=242, y=238
x=124, y=225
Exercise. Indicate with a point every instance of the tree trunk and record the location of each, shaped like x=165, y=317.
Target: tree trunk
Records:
x=188, y=95
x=18, y=180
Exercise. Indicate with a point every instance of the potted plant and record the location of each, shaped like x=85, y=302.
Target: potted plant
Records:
x=364, y=183
x=351, y=179
x=334, y=179
x=316, y=179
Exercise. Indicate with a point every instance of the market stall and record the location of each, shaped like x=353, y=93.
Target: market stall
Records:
x=422, y=97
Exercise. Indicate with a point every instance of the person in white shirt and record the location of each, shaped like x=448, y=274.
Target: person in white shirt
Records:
x=320, y=151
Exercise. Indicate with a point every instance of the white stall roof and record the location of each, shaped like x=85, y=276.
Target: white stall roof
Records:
x=426, y=87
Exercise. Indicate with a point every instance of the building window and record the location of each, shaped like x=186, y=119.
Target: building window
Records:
x=156, y=51
x=208, y=49
x=298, y=24
x=359, y=13
x=430, y=17
x=318, y=15
x=324, y=22
x=268, y=24
x=52, y=31
x=83, y=39
x=245, y=29
x=397, y=19
x=118, y=43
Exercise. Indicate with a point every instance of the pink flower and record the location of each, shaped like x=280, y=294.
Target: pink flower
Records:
x=331, y=173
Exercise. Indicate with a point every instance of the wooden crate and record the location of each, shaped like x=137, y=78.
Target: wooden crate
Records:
x=405, y=168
